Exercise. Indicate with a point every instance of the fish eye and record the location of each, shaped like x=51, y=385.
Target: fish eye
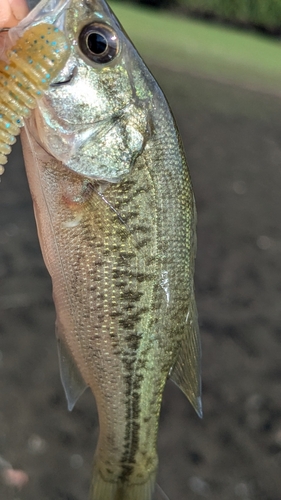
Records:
x=99, y=43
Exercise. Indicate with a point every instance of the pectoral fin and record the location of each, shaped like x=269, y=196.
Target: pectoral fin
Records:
x=72, y=381
x=186, y=371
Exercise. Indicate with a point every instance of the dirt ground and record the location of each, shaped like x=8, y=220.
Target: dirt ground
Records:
x=232, y=138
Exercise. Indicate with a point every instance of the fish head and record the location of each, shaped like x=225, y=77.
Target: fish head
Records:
x=96, y=115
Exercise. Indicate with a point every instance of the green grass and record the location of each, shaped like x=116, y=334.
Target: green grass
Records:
x=216, y=52
x=266, y=13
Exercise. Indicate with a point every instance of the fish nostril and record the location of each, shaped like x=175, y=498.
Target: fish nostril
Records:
x=66, y=75
x=61, y=82
x=64, y=79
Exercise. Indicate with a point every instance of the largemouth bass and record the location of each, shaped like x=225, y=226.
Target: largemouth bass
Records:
x=115, y=213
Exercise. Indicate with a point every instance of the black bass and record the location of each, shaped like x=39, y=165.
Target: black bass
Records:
x=116, y=220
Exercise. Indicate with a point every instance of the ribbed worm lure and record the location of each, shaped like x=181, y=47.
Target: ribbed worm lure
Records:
x=33, y=62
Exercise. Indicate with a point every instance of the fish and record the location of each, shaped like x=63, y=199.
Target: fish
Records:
x=116, y=220
x=26, y=70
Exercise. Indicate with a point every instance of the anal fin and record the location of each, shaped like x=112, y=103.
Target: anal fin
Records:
x=186, y=371
x=71, y=378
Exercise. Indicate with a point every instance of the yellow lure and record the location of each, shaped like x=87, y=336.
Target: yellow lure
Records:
x=33, y=62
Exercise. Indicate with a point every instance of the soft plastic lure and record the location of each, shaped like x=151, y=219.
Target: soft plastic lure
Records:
x=33, y=62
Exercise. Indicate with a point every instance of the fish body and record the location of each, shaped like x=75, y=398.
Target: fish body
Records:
x=116, y=217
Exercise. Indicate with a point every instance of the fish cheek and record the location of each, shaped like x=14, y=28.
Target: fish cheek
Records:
x=115, y=83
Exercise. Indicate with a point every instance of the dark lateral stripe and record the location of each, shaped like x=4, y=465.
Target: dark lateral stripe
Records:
x=131, y=443
x=132, y=430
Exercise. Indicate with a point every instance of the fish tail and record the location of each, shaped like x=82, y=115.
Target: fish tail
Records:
x=101, y=489
x=117, y=490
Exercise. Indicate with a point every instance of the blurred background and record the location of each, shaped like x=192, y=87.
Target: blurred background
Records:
x=218, y=62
